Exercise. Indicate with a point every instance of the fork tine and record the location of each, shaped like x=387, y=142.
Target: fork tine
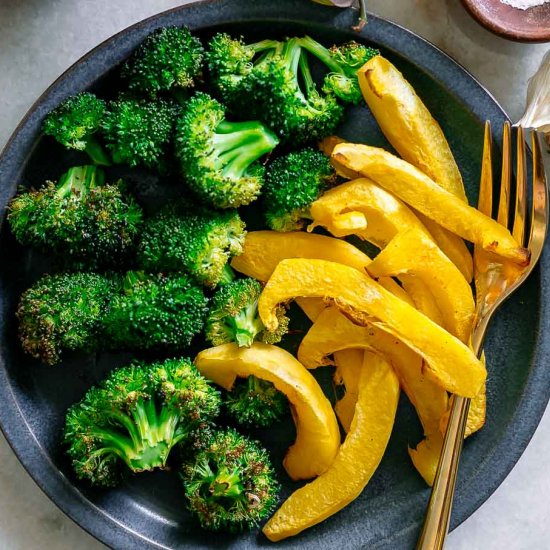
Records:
x=539, y=214
x=485, y=200
x=518, y=230
x=504, y=200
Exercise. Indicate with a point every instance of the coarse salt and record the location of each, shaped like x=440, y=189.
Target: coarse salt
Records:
x=524, y=4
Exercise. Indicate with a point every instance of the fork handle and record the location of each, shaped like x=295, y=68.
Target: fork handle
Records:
x=438, y=513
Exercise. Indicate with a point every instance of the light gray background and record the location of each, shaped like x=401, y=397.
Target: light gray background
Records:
x=39, y=39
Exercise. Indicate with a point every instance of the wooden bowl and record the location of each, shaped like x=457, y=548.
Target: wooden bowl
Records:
x=530, y=25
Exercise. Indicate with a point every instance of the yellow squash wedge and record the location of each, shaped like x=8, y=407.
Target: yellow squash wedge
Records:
x=317, y=433
x=332, y=333
x=422, y=193
x=426, y=456
x=452, y=246
x=412, y=253
x=408, y=125
x=312, y=307
x=263, y=250
x=417, y=137
x=356, y=461
x=348, y=369
x=451, y=362
x=476, y=414
x=360, y=207
x=422, y=297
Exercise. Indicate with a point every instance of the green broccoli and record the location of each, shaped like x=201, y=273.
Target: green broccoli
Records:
x=343, y=63
x=230, y=485
x=74, y=123
x=139, y=132
x=231, y=60
x=135, y=417
x=233, y=316
x=155, y=311
x=277, y=87
x=255, y=403
x=63, y=312
x=193, y=239
x=167, y=60
x=220, y=158
x=79, y=219
x=293, y=183
x=284, y=89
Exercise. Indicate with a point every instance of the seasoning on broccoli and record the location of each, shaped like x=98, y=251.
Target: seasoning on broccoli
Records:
x=74, y=124
x=233, y=316
x=82, y=221
x=218, y=158
x=135, y=417
x=155, y=311
x=167, y=60
x=230, y=485
x=139, y=132
x=255, y=403
x=343, y=62
x=184, y=237
x=293, y=183
x=63, y=312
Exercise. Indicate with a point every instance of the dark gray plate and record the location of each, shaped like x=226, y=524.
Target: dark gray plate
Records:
x=148, y=511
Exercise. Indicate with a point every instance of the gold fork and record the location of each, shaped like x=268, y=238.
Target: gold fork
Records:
x=495, y=281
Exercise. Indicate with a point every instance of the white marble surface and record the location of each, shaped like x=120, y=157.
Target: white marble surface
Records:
x=40, y=38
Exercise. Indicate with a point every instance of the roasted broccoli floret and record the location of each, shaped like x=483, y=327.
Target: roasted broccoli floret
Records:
x=82, y=221
x=168, y=59
x=155, y=311
x=277, y=87
x=283, y=89
x=185, y=237
x=253, y=402
x=135, y=417
x=139, y=132
x=63, y=312
x=343, y=62
x=230, y=485
x=233, y=316
x=218, y=158
x=293, y=182
x=230, y=60
x=74, y=123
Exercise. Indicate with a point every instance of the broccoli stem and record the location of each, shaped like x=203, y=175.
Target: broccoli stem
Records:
x=80, y=179
x=96, y=152
x=263, y=45
x=226, y=484
x=220, y=484
x=227, y=275
x=246, y=325
x=321, y=53
x=239, y=144
x=305, y=73
x=148, y=439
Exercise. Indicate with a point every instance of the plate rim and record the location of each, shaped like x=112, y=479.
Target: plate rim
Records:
x=67, y=496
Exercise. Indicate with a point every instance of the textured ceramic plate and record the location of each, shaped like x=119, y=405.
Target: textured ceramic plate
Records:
x=148, y=510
